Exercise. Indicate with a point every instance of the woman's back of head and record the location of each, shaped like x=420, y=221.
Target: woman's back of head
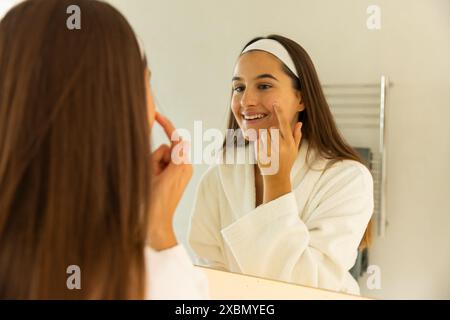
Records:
x=74, y=153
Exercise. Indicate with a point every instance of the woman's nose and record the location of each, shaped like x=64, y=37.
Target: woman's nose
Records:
x=248, y=98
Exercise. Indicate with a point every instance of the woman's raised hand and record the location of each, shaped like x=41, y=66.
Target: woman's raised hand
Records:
x=169, y=180
x=282, y=145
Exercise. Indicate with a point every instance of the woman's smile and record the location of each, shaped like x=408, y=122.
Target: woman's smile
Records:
x=253, y=118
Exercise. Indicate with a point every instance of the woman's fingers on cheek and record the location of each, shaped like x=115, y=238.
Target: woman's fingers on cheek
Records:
x=283, y=124
x=275, y=137
x=262, y=147
x=276, y=143
x=269, y=145
x=269, y=142
x=258, y=146
x=271, y=139
x=277, y=115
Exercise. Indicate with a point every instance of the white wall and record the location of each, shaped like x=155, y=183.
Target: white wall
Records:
x=5, y=5
x=415, y=254
x=192, y=46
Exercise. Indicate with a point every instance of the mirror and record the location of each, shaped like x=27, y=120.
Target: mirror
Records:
x=385, y=77
x=374, y=223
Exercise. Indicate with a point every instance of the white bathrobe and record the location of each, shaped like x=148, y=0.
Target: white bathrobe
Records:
x=172, y=276
x=309, y=236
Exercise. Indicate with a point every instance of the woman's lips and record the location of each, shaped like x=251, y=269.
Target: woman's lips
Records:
x=251, y=118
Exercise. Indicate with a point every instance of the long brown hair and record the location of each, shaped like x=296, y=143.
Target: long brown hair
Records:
x=319, y=127
x=74, y=153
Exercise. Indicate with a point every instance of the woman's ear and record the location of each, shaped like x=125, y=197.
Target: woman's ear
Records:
x=301, y=105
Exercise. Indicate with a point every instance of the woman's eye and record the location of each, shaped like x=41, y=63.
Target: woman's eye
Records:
x=264, y=86
x=238, y=89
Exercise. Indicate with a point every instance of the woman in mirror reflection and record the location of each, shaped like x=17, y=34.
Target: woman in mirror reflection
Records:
x=304, y=223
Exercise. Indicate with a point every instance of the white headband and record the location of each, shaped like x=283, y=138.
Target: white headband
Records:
x=275, y=48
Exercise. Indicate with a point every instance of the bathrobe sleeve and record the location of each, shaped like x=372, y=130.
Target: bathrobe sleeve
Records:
x=204, y=230
x=172, y=276
x=273, y=242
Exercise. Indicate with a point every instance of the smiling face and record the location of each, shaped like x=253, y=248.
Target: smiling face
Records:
x=259, y=83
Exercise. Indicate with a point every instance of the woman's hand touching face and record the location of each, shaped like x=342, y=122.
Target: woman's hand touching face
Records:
x=169, y=181
x=264, y=97
x=280, y=146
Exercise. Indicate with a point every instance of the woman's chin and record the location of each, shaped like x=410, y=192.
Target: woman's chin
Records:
x=255, y=127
